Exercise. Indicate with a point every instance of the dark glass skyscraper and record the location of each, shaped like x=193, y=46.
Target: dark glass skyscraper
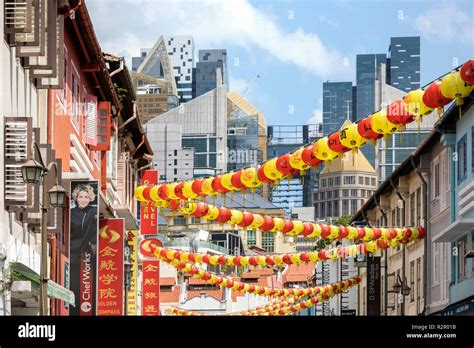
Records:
x=404, y=63
x=337, y=105
x=205, y=72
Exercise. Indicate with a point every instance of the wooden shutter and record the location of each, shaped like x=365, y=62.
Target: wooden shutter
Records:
x=90, y=135
x=17, y=148
x=103, y=127
x=122, y=180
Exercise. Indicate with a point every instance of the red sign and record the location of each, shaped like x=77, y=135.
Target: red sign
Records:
x=148, y=212
x=151, y=288
x=148, y=246
x=110, y=267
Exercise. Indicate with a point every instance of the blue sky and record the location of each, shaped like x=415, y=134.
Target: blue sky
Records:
x=293, y=45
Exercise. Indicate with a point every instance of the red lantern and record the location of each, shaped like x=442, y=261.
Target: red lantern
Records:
x=382, y=244
x=334, y=143
x=196, y=186
x=269, y=261
x=261, y=175
x=421, y=232
x=217, y=185
x=146, y=193
x=221, y=260
x=206, y=276
x=361, y=233
x=364, y=128
x=251, y=288
x=235, y=180
x=343, y=232
x=288, y=226
x=325, y=230
x=205, y=259
x=393, y=233
x=219, y=280
x=268, y=223
x=178, y=191
x=308, y=228
x=230, y=283
x=314, y=300
x=283, y=164
x=224, y=215
x=467, y=72
x=241, y=286
x=246, y=220
x=304, y=257
x=433, y=97
x=174, y=205
x=162, y=192
x=286, y=259
x=377, y=233
x=252, y=261
x=236, y=261
x=201, y=209
x=406, y=233
x=191, y=257
x=322, y=255
x=309, y=158
x=397, y=113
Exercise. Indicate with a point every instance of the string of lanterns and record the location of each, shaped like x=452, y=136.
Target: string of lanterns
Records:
x=455, y=85
x=340, y=252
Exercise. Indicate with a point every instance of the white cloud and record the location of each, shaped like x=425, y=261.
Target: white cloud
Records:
x=240, y=86
x=130, y=25
x=446, y=22
x=317, y=116
x=324, y=19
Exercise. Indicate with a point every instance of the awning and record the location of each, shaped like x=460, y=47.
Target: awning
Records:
x=55, y=290
x=465, y=307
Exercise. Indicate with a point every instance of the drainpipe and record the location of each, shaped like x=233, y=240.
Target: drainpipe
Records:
x=425, y=242
x=384, y=223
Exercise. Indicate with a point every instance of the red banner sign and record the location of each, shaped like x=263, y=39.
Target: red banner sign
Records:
x=151, y=288
x=110, y=267
x=148, y=246
x=148, y=212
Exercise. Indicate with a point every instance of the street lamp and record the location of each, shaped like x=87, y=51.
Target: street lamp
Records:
x=33, y=172
x=401, y=287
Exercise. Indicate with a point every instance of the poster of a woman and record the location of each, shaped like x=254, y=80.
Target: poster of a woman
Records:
x=83, y=245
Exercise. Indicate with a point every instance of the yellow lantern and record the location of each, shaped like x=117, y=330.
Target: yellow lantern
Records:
x=188, y=208
x=198, y=259
x=184, y=257
x=278, y=260
x=313, y=256
x=380, y=123
x=352, y=233
x=295, y=259
x=170, y=254
x=188, y=191
x=236, y=217
x=212, y=213
x=154, y=193
x=206, y=187
x=213, y=260
x=349, y=137
x=279, y=224
x=170, y=190
x=249, y=178
x=414, y=233
x=453, y=87
x=257, y=221
x=415, y=105
x=385, y=233
x=160, y=203
x=226, y=182
x=139, y=193
x=224, y=283
x=261, y=261
x=322, y=151
x=334, y=232
x=244, y=261
x=316, y=231
x=270, y=170
x=296, y=161
x=298, y=227
x=369, y=234
x=371, y=247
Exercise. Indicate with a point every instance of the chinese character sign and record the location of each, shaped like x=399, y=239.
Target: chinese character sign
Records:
x=83, y=216
x=148, y=212
x=110, y=267
x=151, y=288
x=132, y=242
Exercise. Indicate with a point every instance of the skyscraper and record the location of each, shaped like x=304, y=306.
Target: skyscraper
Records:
x=181, y=52
x=404, y=63
x=209, y=62
x=337, y=105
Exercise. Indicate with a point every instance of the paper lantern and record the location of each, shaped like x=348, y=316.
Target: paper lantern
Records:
x=171, y=190
x=397, y=113
x=212, y=213
x=298, y=227
x=224, y=215
x=364, y=128
x=154, y=193
x=452, y=86
x=271, y=171
x=343, y=232
x=138, y=193
x=279, y=224
x=380, y=124
x=415, y=105
x=188, y=208
x=268, y=223
x=174, y=205
x=322, y=151
x=196, y=186
x=334, y=143
x=467, y=72
x=308, y=228
x=288, y=226
x=421, y=232
x=433, y=97
x=217, y=185
x=188, y=190
x=237, y=180
x=350, y=137
x=226, y=182
x=178, y=191
x=201, y=210
x=249, y=178
x=296, y=161
x=308, y=156
x=146, y=194
x=283, y=164
x=206, y=187
x=325, y=230
x=257, y=221
x=236, y=216
x=246, y=219
x=316, y=231
x=163, y=191
x=261, y=175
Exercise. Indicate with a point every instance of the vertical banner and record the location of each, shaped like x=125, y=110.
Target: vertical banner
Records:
x=110, y=273
x=83, y=228
x=148, y=212
x=373, y=285
x=150, y=288
x=132, y=242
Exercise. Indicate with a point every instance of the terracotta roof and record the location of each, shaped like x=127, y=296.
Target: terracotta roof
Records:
x=170, y=296
x=197, y=281
x=298, y=273
x=217, y=294
x=297, y=278
x=167, y=281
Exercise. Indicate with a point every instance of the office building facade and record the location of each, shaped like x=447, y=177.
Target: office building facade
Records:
x=206, y=68
x=337, y=105
x=404, y=67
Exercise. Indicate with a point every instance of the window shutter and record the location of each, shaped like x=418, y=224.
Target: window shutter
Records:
x=17, y=148
x=122, y=165
x=90, y=136
x=103, y=127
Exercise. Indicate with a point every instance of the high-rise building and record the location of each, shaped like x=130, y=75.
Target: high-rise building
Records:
x=295, y=192
x=404, y=67
x=337, y=105
x=181, y=51
x=205, y=72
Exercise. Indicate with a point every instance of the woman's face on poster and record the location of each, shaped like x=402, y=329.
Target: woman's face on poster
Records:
x=83, y=199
